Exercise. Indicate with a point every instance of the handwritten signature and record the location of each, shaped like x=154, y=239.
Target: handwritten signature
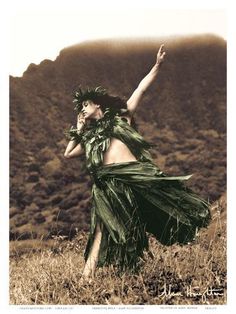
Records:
x=191, y=292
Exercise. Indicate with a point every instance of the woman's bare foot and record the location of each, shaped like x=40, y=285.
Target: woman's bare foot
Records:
x=90, y=265
x=85, y=280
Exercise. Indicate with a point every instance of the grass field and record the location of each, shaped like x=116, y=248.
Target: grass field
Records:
x=49, y=272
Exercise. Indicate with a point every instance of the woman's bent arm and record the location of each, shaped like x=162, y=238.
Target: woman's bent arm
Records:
x=73, y=149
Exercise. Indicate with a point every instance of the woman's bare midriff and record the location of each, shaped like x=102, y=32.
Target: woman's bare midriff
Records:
x=117, y=152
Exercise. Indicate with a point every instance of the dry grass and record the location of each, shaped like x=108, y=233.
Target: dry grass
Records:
x=191, y=274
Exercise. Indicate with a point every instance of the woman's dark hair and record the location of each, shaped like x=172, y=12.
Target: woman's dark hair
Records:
x=100, y=97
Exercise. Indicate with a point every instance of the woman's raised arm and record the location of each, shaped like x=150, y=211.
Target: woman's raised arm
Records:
x=133, y=101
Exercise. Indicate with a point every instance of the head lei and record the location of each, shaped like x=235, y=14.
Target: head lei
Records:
x=87, y=94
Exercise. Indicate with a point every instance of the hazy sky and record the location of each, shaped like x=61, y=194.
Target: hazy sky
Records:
x=40, y=32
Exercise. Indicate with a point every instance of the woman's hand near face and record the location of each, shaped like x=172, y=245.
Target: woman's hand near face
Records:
x=81, y=121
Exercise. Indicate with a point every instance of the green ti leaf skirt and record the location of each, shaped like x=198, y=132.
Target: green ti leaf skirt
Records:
x=132, y=198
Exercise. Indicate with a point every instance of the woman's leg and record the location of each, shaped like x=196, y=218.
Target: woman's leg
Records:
x=90, y=266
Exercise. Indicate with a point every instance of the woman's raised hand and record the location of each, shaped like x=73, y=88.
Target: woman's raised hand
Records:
x=160, y=55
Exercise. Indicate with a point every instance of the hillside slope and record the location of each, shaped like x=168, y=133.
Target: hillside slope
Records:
x=184, y=112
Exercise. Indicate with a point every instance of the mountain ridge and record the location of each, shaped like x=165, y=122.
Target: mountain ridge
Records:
x=184, y=112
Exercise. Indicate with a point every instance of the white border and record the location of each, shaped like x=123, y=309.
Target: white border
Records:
x=4, y=164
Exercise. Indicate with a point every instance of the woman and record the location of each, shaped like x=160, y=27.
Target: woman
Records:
x=130, y=195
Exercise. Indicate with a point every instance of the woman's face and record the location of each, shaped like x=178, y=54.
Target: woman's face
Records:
x=89, y=109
